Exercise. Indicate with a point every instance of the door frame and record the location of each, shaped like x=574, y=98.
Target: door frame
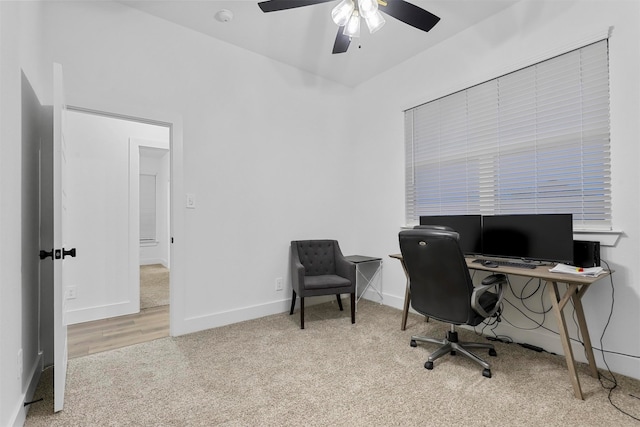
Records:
x=134, y=207
x=176, y=221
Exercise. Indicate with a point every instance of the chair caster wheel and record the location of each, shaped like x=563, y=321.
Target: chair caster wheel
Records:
x=492, y=352
x=453, y=352
x=429, y=365
x=414, y=343
x=486, y=373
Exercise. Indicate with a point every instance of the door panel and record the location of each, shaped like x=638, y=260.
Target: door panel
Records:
x=59, y=226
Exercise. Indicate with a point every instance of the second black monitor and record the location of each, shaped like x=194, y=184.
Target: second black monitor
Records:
x=545, y=237
x=469, y=227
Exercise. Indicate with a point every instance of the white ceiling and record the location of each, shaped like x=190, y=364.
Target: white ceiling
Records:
x=304, y=37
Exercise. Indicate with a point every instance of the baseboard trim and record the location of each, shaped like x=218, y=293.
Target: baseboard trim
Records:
x=153, y=261
x=214, y=320
x=20, y=413
x=101, y=312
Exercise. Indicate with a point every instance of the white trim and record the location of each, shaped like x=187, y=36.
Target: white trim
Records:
x=90, y=314
x=606, y=238
x=20, y=415
x=214, y=320
x=134, y=213
x=176, y=286
x=153, y=261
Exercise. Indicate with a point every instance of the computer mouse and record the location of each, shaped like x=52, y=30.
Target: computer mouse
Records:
x=490, y=264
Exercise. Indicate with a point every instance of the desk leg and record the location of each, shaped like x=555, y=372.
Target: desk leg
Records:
x=558, y=304
x=584, y=331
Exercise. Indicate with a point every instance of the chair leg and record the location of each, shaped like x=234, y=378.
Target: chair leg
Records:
x=339, y=301
x=301, y=312
x=293, y=303
x=353, y=307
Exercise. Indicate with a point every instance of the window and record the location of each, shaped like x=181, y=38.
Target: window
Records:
x=532, y=141
x=147, y=208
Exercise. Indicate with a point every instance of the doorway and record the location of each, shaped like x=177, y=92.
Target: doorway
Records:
x=110, y=153
x=154, y=195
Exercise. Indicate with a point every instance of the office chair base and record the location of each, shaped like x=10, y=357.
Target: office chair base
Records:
x=453, y=346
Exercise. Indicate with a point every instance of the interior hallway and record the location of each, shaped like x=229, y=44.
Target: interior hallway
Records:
x=151, y=323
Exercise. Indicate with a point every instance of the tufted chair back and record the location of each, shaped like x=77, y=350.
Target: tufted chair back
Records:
x=317, y=256
x=319, y=268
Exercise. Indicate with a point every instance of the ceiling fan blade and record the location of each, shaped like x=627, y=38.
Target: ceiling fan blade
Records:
x=409, y=14
x=342, y=42
x=275, y=5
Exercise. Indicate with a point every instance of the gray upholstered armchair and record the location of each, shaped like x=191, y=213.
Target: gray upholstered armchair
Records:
x=319, y=268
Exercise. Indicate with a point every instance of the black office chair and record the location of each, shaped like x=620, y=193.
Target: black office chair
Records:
x=319, y=268
x=441, y=288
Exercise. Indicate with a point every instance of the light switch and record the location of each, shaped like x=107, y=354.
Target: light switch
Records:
x=191, y=201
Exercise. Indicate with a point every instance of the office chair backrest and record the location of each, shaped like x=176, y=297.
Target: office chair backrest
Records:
x=433, y=227
x=317, y=256
x=438, y=275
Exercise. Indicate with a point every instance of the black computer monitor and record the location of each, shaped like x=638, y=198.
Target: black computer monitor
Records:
x=469, y=227
x=542, y=237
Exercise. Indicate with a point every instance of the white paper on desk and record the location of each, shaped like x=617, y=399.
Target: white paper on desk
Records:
x=570, y=269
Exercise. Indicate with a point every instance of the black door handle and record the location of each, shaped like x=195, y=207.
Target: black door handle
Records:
x=70, y=252
x=55, y=253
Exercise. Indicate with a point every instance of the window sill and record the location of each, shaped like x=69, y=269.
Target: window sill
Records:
x=605, y=237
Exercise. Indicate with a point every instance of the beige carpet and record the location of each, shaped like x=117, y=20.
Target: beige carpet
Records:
x=268, y=372
x=154, y=286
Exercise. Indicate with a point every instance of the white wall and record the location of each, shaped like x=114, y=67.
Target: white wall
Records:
x=99, y=214
x=270, y=157
x=19, y=28
x=267, y=148
x=521, y=35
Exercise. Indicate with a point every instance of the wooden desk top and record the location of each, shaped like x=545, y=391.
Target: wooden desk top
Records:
x=541, y=272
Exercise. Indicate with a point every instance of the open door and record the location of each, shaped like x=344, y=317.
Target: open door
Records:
x=60, y=251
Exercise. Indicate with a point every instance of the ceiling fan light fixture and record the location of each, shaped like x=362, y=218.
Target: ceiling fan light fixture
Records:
x=352, y=29
x=375, y=21
x=367, y=8
x=342, y=12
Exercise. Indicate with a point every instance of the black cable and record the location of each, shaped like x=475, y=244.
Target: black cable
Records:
x=523, y=299
x=33, y=401
x=613, y=379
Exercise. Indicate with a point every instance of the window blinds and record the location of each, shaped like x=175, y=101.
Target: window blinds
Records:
x=532, y=141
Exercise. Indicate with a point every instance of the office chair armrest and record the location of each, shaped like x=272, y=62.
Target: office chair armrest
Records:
x=495, y=281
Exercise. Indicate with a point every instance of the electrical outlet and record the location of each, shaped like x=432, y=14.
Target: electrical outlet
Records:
x=279, y=284
x=71, y=292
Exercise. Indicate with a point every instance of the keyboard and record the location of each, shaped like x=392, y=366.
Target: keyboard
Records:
x=508, y=263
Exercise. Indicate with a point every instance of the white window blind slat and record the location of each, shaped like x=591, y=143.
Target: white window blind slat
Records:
x=532, y=141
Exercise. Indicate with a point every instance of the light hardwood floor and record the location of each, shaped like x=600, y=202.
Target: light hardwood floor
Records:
x=116, y=332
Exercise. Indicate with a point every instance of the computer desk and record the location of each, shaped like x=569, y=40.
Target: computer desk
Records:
x=577, y=286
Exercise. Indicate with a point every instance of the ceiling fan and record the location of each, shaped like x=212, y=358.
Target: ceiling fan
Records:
x=347, y=15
